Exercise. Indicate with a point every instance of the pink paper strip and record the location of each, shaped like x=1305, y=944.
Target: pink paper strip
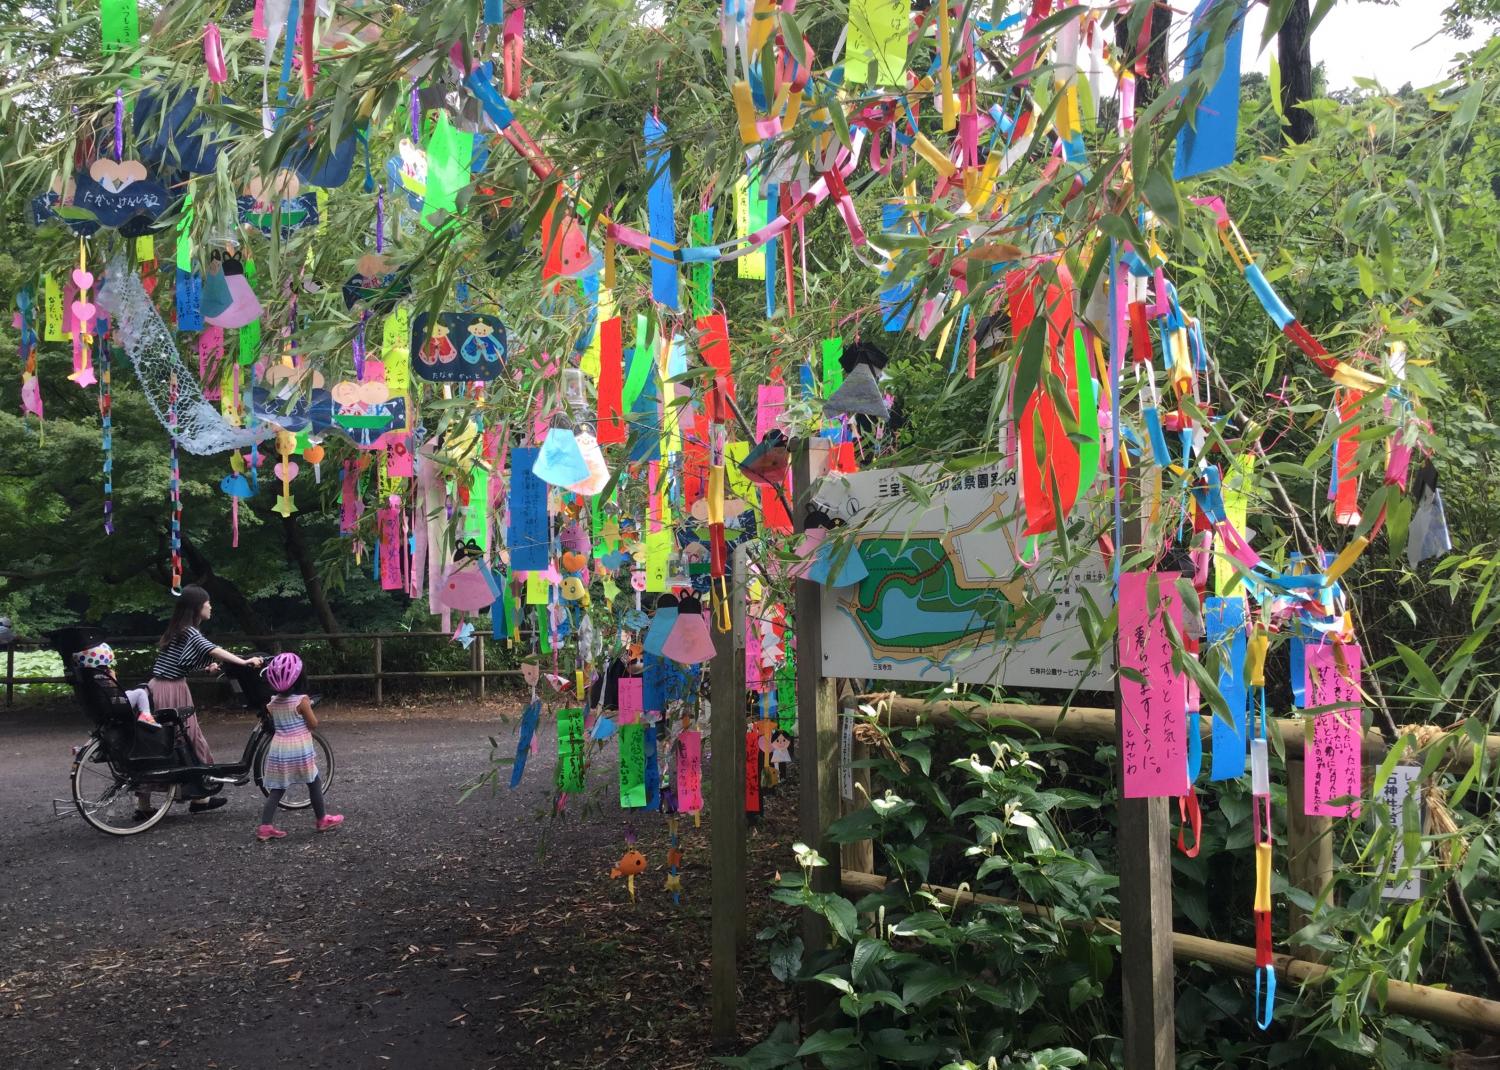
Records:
x=754, y=681
x=770, y=403
x=1153, y=711
x=1333, y=763
x=690, y=772
x=631, y=706
x=392, y=559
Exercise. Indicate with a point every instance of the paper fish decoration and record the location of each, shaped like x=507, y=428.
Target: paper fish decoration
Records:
x=631, y=865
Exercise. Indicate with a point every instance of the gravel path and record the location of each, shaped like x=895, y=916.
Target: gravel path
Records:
x=424, y=933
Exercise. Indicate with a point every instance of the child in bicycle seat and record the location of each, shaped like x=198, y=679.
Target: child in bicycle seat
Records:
x=291, y=758
x=102, y=659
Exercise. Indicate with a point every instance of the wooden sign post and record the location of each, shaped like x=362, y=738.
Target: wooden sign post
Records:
x=726, y=807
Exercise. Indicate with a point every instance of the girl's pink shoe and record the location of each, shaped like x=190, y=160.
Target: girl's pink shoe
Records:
x=329, y=821
x=268, y=832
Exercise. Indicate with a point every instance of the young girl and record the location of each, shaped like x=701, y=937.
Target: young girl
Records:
x=291, y=759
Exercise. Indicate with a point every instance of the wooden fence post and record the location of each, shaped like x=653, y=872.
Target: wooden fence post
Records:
x=10, y=674
x=817, y=749
x=379, y=688
x=726, y=788
x=1309, y=853
x=1147, y=974
x=858, y=857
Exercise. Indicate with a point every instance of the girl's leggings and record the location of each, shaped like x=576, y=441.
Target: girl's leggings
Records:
x=314, y=790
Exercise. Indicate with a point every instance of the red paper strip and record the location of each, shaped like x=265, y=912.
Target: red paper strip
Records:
x=714, y=345
x=611, y=428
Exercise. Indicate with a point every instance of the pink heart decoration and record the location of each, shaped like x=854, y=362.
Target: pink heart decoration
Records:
x=83, y=312
x=286, y=470
x=82, y=279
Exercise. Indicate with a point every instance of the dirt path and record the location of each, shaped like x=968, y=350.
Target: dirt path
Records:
x=425, y=933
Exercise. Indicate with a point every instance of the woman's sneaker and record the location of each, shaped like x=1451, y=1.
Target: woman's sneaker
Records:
x=330, y=821
x=268, y=832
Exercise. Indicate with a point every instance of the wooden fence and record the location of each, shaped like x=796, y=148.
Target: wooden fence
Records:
x=476, y=673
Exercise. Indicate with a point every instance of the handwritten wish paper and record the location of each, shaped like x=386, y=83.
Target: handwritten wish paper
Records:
x=632, y=765
x=1153, y=696
x=752, y=772
x=630, y=692
x=528, y=537
x=1333, y=758
x=570, y=750
x=1399, y=788
x=690, y=772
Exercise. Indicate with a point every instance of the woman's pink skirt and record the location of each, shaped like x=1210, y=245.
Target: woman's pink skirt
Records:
x=174, y=694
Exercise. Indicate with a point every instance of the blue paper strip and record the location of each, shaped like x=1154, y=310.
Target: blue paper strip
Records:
x=653, y=771
x=1224, y=621
x=529, y=718
x=529, y=535
x=663, y=225
x=1208, y=140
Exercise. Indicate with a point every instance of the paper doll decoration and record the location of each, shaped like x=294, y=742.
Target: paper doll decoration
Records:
x=119, y=195
x=459, y=347
x=376, y=285
x=278, y=201
x=858, y=395
x=228, y=300
x=768, y=460
x=293, y=399
x=171, y=132
x=366, y=410
x=466, y=589
x=689, y=642
x=407, y=171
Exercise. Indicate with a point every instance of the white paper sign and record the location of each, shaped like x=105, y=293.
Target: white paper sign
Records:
x=1394, y=795
x=945, y=598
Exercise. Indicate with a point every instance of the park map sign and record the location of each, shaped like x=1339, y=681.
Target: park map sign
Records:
x=945, y=598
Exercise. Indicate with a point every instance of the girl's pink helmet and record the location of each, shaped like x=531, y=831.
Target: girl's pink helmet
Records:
x=282, y=672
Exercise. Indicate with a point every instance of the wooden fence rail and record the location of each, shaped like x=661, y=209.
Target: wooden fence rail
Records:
x=477, y=674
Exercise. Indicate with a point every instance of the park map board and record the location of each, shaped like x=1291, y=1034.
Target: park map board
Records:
x=944, y=586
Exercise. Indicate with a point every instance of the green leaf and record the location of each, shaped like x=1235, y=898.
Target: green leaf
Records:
x=826, y=1040
x=1161, y=194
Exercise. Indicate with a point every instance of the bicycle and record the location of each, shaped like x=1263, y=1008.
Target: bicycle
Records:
x=124, y=761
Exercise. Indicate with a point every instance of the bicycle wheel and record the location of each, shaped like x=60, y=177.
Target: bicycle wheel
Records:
x=296, y=797
x=107, y=800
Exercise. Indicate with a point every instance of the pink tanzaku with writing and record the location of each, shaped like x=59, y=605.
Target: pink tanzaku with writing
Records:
x=1333, y=757
x=1154, y=708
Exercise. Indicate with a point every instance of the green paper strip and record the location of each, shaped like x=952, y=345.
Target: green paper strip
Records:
x=701, y=276
x=119, y=25
x=658, y=550
x=477, y=516
x=570, y=751
x=184, y=239
x=641, y=365
x=1088, y=415
x=632, y=765
x=249, y=343
x=833, y=371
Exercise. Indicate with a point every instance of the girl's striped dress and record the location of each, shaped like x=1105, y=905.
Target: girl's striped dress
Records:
x=291, y=758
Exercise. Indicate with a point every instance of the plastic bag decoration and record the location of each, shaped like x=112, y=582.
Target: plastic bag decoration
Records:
x=560, y=461
x=690, y=642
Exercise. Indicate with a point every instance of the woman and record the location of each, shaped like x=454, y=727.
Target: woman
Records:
x=183, y=649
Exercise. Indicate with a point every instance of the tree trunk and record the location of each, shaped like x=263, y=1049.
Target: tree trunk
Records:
x=1294, y=48
x=200, y=570
x=1132, y=40
x=298, y=554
